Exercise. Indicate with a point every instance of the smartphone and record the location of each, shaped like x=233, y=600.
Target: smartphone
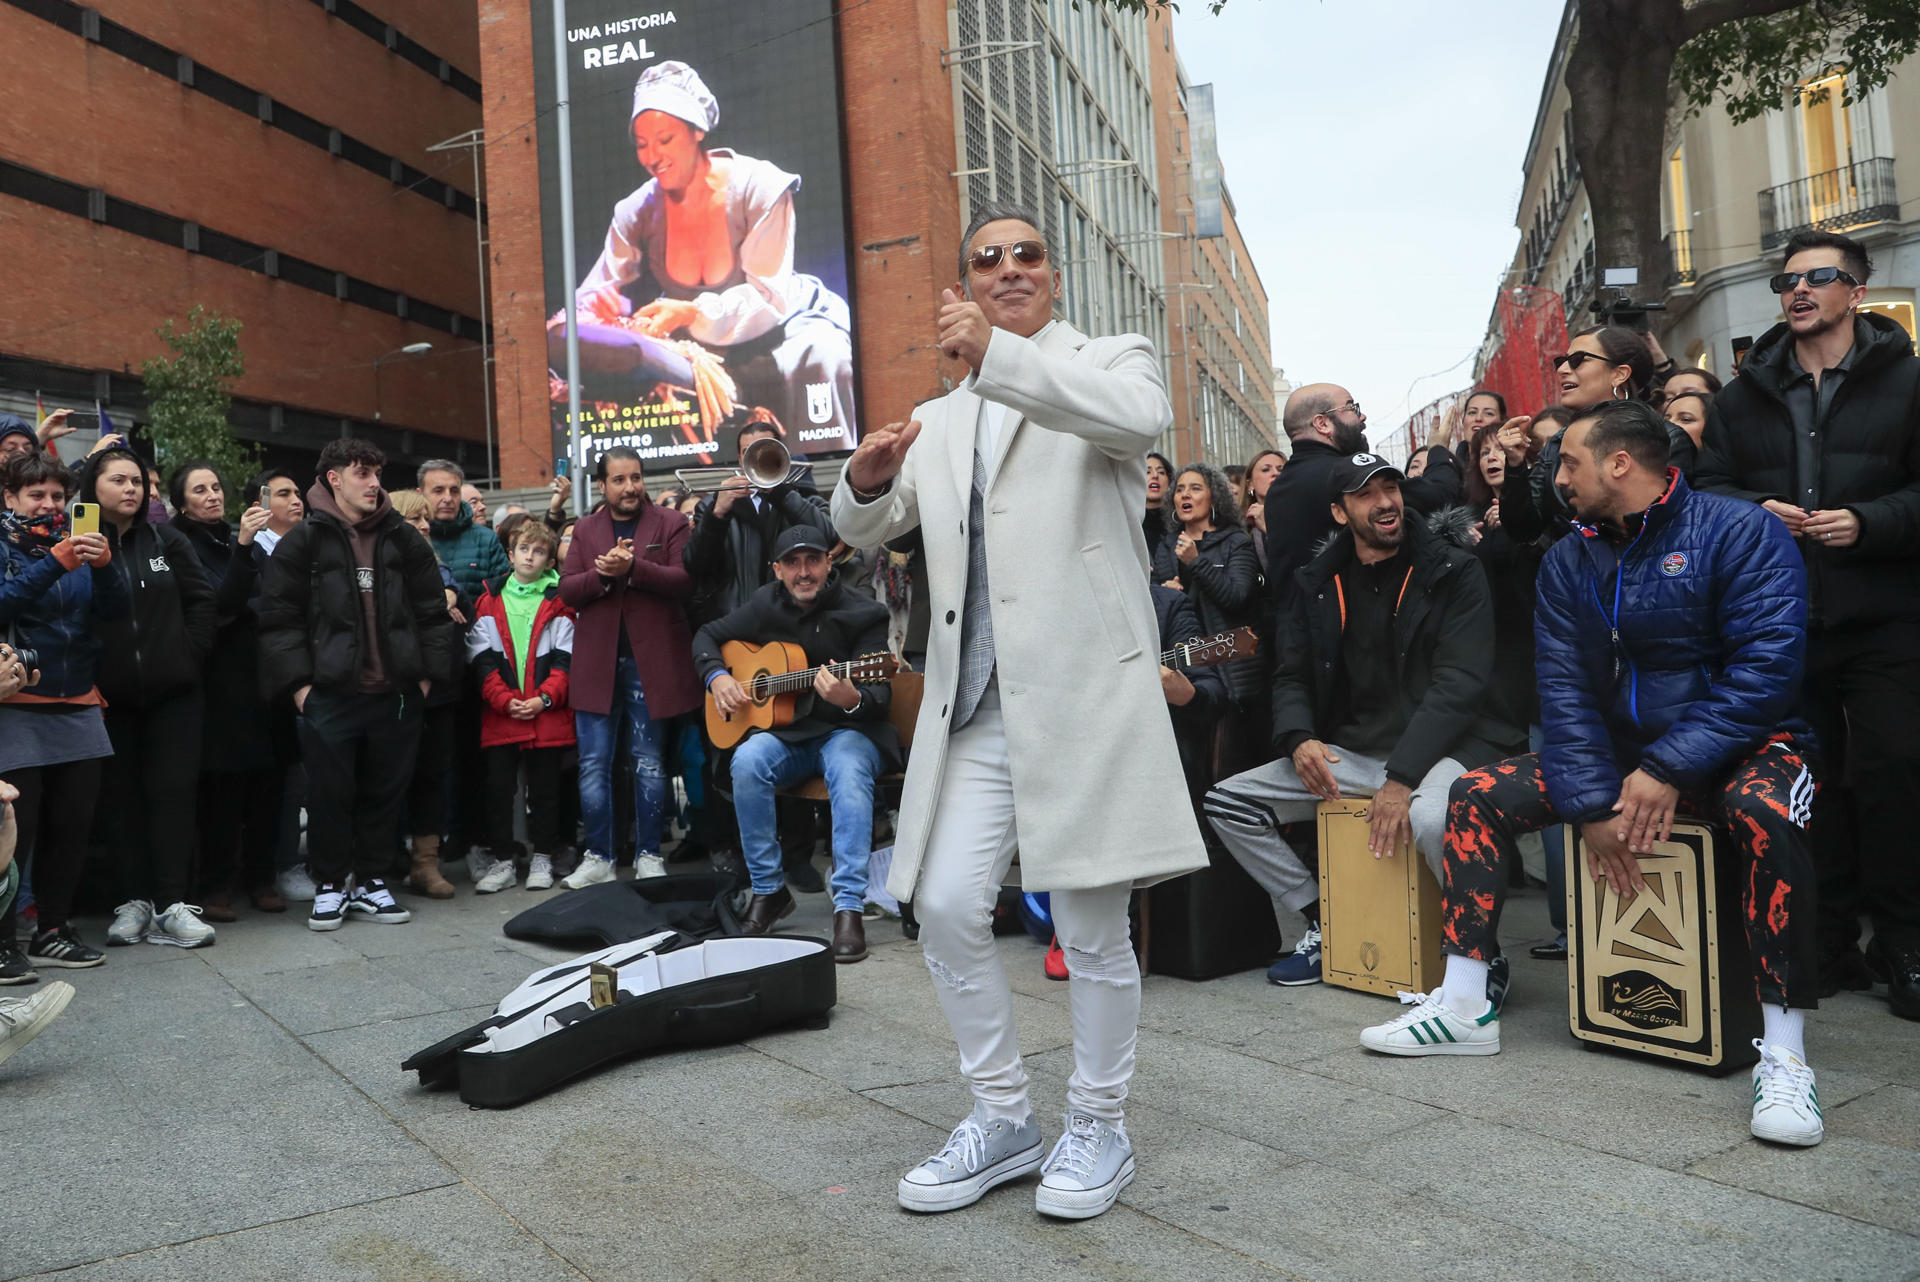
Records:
x=84, y=518
x=266, y=496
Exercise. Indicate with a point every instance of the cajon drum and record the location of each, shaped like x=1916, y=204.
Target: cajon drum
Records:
x=1667, y=972
x=1379, y=918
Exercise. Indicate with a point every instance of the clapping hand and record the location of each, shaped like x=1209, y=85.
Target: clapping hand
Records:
x=616, y=560
x=879, y=456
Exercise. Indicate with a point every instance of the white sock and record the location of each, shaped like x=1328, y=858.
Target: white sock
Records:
x=1783, y=1027
x=1464, y=990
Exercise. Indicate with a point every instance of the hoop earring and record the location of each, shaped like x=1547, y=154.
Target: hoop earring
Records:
x=1620, y=392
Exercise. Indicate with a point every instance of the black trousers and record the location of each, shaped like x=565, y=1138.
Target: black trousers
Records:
x=240, y=827
x=359, y=751
x=1764, y=801
x=543, y=797
x=427, y=794
x=53, y=817
x=149, y=798
x=1863, y=693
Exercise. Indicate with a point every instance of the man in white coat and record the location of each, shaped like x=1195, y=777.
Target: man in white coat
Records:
x=1043, y=727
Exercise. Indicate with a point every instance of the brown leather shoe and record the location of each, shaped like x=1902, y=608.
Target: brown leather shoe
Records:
x=267, y=899
x=766, y=910
x=849, y=936
x=219, y=907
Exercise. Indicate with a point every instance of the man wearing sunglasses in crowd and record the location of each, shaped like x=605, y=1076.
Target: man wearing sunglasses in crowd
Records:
x=1822, y=428
x=1042, y=725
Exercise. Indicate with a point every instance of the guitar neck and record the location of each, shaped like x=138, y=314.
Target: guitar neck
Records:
x=787, y=682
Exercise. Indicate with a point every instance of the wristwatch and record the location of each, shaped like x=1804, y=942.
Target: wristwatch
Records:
x=546, y=700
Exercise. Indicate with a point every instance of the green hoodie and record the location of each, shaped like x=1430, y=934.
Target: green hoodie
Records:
x=522, y=603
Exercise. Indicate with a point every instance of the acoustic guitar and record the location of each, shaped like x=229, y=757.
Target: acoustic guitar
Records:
x=1207, y=651
x=775, y=676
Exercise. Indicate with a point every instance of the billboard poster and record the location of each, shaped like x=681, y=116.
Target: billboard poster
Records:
x=1207, y=212
x=710, y=227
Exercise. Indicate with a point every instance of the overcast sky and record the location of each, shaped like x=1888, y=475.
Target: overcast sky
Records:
x=1373, y=149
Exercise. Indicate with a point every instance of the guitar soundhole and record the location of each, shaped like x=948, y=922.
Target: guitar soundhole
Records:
x=759, y=687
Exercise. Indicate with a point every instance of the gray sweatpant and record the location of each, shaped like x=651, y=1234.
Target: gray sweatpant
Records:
x=1248, y=809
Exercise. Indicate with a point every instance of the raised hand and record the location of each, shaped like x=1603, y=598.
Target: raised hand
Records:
x=1513, y=439
x=877, y=461
x=963, y=328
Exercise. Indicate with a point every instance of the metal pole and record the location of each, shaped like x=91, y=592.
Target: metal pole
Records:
x=486, y=341
x=563, y=122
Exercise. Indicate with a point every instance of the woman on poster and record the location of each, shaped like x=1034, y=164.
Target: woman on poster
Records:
x=714, y=230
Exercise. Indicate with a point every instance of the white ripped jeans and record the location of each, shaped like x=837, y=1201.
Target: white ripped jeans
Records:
x=970, y=847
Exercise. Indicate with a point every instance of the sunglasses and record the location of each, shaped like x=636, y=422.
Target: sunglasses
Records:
x=1028, y=253
x=1817, y=277
x=1574, y=360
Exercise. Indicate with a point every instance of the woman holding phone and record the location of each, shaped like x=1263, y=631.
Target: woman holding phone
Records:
x=240, y=776
x=150, y=664
x=58, y=590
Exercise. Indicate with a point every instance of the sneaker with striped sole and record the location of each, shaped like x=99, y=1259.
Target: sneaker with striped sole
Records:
x=1433, y=1028
x=1786, y=1104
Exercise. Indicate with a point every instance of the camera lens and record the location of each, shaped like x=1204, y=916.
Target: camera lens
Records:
x=29, y=659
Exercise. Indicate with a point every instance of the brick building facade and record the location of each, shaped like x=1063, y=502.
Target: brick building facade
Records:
x=269, y=161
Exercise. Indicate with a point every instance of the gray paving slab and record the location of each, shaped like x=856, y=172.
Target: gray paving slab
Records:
x=1271, y=1146
x=1662, y=1222
x=440, y=1235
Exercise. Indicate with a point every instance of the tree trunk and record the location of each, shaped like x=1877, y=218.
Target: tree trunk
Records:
x=1617, y=78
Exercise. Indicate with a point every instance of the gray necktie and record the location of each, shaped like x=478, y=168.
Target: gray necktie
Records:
x=976, y=616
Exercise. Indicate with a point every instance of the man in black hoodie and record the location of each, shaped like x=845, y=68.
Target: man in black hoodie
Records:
x=1381, y=669
x=350, y=625
x=1822, y=428
x=1324, y=425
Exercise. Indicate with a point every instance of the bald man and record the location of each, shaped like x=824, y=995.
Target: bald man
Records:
x=1324, y=423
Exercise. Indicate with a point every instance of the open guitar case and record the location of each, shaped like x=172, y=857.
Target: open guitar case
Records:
x=671, y=991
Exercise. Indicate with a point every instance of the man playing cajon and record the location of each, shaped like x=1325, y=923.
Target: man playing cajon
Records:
x=1671, y=633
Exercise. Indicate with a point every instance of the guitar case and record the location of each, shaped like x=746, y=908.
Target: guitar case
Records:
x=672, y=991
x=618, y=912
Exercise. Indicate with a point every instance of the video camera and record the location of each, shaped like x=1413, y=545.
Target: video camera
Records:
x=1623, y=310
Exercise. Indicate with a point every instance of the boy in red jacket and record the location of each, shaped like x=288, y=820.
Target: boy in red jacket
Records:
x=521, y=645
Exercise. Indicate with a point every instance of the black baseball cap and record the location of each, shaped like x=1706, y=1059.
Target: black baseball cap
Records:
x=1352, y=474
x=795, y=537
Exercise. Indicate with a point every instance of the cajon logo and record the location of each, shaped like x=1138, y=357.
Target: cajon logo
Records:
x=1370, y=956
x=1640, y=999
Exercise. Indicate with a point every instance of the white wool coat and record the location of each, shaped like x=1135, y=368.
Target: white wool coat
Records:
x=1099, y=798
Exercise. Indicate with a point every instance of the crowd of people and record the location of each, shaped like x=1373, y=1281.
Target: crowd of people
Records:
x=1658, y=593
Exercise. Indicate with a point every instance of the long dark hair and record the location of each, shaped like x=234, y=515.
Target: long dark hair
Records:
x=177, y=484
x=1226, y=508
x=1480, y=495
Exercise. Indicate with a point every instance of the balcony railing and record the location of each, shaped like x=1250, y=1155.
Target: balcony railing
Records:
x=1837, y=200
x=1679, y=258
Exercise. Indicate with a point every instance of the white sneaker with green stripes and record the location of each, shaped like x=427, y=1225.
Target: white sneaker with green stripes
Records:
x=1432, y=1028
x=1786, y=1104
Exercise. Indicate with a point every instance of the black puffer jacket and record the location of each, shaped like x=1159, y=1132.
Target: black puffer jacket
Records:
x=160, y=649
x=237, y=736
x=1223, y=582
x=312, y=627
x=1300, y=515
x=1443, y=636
x=1869, y=464
x=730, y=557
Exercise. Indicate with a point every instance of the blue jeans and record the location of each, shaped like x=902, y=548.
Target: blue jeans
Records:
x=764, y=764
x=1555, y=840
x=599, y=743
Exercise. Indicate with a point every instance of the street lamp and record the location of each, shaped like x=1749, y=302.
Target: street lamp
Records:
x=411, y=349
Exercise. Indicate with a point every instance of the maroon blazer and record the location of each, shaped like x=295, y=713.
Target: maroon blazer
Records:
x=650, y=602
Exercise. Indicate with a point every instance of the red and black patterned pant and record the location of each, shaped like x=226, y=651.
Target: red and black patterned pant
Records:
x=1764, y=801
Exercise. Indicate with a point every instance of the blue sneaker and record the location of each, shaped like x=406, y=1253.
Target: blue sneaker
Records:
x=1499, y=978
x=1302, y=966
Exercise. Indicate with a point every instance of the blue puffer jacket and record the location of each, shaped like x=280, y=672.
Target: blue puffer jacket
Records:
x=1678, y=652
x=47, y=608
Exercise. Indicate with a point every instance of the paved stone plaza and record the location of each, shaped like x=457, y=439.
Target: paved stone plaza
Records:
x=239, y=1112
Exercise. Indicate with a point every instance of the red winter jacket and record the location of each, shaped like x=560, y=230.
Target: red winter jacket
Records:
x=490, y=651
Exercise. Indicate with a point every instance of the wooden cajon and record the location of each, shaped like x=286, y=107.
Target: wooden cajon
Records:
x=1379, y=918
x=1667, y=972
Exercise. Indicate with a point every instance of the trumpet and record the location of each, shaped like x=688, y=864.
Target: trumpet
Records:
x=767, y=464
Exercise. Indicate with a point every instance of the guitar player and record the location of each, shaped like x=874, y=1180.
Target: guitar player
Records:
x=841, y=729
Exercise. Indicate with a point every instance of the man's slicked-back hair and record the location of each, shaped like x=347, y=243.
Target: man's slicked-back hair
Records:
x=994, y=212
x=618, y=451
x=338, y=456
x=1633, y=426
x=439, y=465
x=1853, y=255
